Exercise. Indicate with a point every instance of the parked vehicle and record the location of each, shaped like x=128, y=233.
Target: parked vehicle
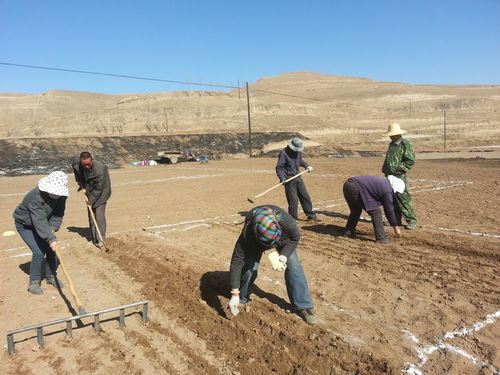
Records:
x=173, y=157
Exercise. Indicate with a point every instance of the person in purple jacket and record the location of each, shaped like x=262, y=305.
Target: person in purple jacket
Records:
x=369, y=193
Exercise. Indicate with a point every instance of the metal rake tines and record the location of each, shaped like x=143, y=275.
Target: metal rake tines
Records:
x=69, y=324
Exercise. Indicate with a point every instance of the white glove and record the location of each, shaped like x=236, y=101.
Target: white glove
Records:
x=278, y=262
x=233, y=305
x=310, y=169
x=54, y=246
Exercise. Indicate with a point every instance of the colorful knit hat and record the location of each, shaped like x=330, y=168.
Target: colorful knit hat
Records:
x=266, y=226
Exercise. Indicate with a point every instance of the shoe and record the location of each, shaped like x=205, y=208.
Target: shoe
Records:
x=34, y=287
x=55, y=282
x=313, y=218
x=100, y=245
x=411, y=226
x=384, y=240
x=308, y=316
x=349, y=234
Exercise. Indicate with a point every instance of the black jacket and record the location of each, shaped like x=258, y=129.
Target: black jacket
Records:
x=288, y=164
x=97, y=183
x=42, y=213
x=248, y=243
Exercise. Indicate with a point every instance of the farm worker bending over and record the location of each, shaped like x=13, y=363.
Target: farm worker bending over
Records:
x=289, y=162
x=37, y=218
x=269, y=227
x=369, y=193
x=399, y=159
x=93, y=176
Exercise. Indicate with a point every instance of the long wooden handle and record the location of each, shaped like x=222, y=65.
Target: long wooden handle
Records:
x=72, y=289
x=93, y=218
x=278, y=185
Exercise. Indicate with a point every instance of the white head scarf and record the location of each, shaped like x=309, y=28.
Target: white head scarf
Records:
x=397, y=184
x=55, y=183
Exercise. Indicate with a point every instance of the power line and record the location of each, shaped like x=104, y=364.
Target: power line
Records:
x=117, y=75
x=197, y=84
x=157, y=80
x=320, y=100
x=293, y=96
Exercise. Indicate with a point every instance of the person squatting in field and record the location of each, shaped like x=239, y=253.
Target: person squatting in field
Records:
x=93, y=177
x=37, y=218
x=268, y=227
x=369, y=193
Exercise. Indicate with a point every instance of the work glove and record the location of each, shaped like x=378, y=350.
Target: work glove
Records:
x=278, y=262
x=233, y=304
x=310, y=169
x=54, y=246
x=283, y=259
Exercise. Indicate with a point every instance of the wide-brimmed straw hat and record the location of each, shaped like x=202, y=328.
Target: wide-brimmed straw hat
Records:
x=394, y=129
x=397, y=184
x=296, y=144
x=55, y=183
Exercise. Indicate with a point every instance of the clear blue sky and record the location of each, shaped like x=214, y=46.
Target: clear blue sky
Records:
x=223, y=42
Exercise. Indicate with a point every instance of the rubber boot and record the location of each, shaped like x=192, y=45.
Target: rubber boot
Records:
x=54, y=281
x=34, y=287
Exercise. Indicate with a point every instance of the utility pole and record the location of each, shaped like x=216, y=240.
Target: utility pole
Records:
x=239, y=96
x=249, y=123
x=166, y=120
x=444, y=124
x=35, y=107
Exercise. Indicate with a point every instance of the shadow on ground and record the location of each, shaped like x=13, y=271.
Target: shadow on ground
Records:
x=215, y=287
x=82, y=231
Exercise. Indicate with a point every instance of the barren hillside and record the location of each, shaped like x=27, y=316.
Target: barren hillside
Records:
x=348, y=111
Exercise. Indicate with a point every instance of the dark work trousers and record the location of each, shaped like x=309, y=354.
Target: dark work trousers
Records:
x=353, y=199
x=296, y=191
x=100, y=217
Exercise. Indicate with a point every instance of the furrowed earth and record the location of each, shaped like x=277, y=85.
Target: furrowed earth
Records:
x=428, y=303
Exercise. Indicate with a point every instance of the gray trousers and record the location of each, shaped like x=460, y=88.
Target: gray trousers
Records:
x=100, y=217
x=355, y=203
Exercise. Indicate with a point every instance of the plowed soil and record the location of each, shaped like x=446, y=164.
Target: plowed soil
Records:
x=428, y=303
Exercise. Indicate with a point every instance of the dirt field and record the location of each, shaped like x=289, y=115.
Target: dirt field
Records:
x=428, y=303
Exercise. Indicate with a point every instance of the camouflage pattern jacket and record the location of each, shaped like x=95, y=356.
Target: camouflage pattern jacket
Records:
x=399, y=159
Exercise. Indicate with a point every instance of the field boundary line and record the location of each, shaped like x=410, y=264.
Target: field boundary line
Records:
x=424, y=351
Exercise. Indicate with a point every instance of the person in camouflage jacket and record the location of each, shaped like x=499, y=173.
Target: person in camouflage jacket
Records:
x=399, y=159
